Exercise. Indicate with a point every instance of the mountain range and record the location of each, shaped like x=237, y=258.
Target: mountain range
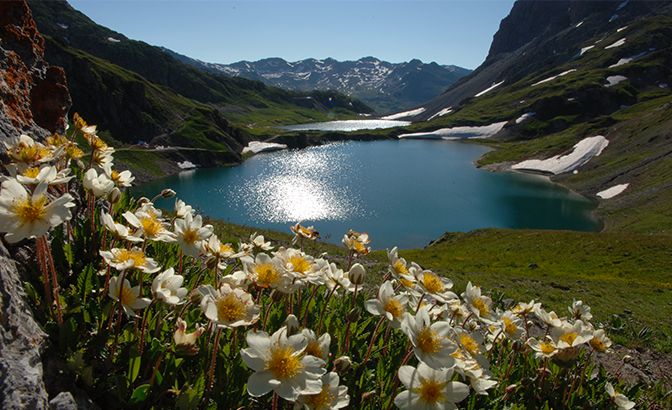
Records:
x=385, y=86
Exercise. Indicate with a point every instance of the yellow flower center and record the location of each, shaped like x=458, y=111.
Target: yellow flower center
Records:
x=74, y=152
x=284, y=364
x=509, y=327
x=138, y=257
x=225, y=249
x=393, y=306
x=569, y=338
x=407, y=283
x=150, y=226
x=299, y=264
x=97, y=144
x=546, y=348
x=431, y=391
x=29, y=211
x=428, y=341
x=267, y=275
x=313, y=349
x=190, y=236
x=432, y=283
x=598, y=344
x=482, y=307
x=230, y=308
x=115, y=175
x=321, y=400
x=469, y=343
x=127, y=296
x=31, y=172
x=400, y=267
x=360, y=248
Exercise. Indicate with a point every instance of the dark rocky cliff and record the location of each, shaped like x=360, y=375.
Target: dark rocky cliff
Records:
x=34, y=94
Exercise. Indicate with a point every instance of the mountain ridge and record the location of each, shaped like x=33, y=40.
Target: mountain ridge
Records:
x=386, y=86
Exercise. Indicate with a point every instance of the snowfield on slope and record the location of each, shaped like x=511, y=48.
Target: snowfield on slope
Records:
x=441, y=113
x=411, y=113
x=186, y=165
x=562, y=74
x=613, y=191
x=492, y=87
x=256, y=147
x=612, y=80
x=582, y=152
x=456, y=133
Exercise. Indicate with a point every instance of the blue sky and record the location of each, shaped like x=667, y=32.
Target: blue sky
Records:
x=224, y=31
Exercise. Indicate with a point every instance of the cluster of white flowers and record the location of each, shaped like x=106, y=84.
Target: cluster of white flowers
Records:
x=449, y=335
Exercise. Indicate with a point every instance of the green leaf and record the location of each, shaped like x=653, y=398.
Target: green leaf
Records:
x=140, y=394
x=133, y=365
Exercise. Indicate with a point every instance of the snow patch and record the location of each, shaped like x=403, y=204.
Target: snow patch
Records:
x=524, y=117
x=662, y=85
x=612, y=80
x=623, y=4
x=616, y=44
x=613, y=191
x=186, y=165
x=621, y=29
x=411, y=113
x=562, y=74
x=584, y=49
x=456, y=133
x=441, y=113
x=492, y=87
x=113, y=40
x=63, y=26
x=256, y=147
x=628, y=60
x=579, y=25
x=582, y=152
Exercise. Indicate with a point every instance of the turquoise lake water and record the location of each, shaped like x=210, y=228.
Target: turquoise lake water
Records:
x=403, y=193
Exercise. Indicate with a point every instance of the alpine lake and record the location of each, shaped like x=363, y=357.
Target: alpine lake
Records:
x=403, y=193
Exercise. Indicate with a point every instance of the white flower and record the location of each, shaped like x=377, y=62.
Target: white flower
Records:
x=258, y=241
x=332, y=395
x=317, y=347
x=167, y=287
x=388, y=304
x=544, y=349
x=148, y=222
x=214, y=247
x=550, y=318
x=121, y=179
x=335, y=278
x=186, y=342
x=619, y=399
x=23, y=215
x=27, y=151
x=478, y=304
x=436, y=286
x=300, y=266
x=509, y=325
x=182, y=209
x=122, y=259
x=525, y=309
x=228, y=307
x=281, y=365
x=267, y=272
x=301, y=231
x=191, y=234
x=600, y=341
x=428, y=388
x=48, y=174
x=356, y=241
x=118, y=230
x=571, y=335
x=130, y=296
x=430, y=340
x=99, y=185
x=580, y=311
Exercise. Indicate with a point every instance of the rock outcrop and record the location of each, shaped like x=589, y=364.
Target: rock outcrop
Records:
x=34, y=96
x=34, y=99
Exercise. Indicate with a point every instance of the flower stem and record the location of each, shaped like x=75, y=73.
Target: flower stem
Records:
x=54, y=279
x=42, y=262
x=373, y=338
x=310, y=299
x=324, y=309
x=213, y=359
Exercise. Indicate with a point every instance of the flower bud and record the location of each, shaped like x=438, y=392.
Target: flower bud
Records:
x=114, y=196
x=167, y=193
x=292, y=324
x=185, y=343
x=356, y=274
x=342, y=364
x=141, y=201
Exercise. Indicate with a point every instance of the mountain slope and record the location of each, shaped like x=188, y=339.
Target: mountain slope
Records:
x=383, y=85
x=135, y=91
x=593, y=68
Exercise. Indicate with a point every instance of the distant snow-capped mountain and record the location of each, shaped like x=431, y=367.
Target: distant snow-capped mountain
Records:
x=387, y=87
